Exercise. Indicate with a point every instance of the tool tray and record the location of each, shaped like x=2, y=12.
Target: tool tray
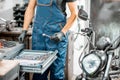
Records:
x=35, y=61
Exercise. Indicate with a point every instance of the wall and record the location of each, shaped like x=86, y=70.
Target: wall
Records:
x=6, y=8
x=106, y=18
x=105, y=15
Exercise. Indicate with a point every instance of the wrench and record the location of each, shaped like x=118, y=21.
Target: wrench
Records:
x=46, y=35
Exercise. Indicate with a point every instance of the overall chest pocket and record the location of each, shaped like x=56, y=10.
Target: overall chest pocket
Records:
x=44, y=2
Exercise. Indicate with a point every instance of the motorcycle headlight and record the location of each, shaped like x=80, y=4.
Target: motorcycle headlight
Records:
x=91, y=63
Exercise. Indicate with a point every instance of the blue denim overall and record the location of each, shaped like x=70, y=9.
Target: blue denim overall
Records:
x=49, y=20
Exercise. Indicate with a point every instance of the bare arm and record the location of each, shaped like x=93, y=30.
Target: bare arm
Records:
x=73, y=9
x=29, y=13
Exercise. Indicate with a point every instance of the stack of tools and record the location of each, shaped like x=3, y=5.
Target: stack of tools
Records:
x=8, y=44
x=18, y=13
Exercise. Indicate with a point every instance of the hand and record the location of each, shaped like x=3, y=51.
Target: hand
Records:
x=57, y=36
x=22, y=36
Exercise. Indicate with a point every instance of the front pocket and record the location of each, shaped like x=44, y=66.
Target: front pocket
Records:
x=54, y=27
x=44, y=2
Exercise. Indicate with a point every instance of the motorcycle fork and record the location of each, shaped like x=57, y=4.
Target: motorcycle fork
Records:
x=106, y=73
x=84, y=76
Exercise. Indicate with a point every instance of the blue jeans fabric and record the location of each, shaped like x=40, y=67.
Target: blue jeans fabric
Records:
x=49, y=20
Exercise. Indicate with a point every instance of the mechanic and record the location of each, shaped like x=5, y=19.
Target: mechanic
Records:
x=50, y=19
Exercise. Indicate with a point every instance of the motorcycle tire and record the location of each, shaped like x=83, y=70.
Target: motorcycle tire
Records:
x=80, y=78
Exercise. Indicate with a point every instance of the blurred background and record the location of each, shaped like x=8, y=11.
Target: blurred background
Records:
x=104, y=16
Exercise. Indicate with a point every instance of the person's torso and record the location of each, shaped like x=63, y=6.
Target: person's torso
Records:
x=51, y=10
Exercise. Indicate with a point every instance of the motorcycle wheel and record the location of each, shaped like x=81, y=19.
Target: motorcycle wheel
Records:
x=79, y=77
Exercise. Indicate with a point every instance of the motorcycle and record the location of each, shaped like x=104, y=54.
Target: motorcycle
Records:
x=96, y=64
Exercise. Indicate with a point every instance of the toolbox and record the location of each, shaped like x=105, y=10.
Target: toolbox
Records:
x=9, y=49
x=35, y=61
